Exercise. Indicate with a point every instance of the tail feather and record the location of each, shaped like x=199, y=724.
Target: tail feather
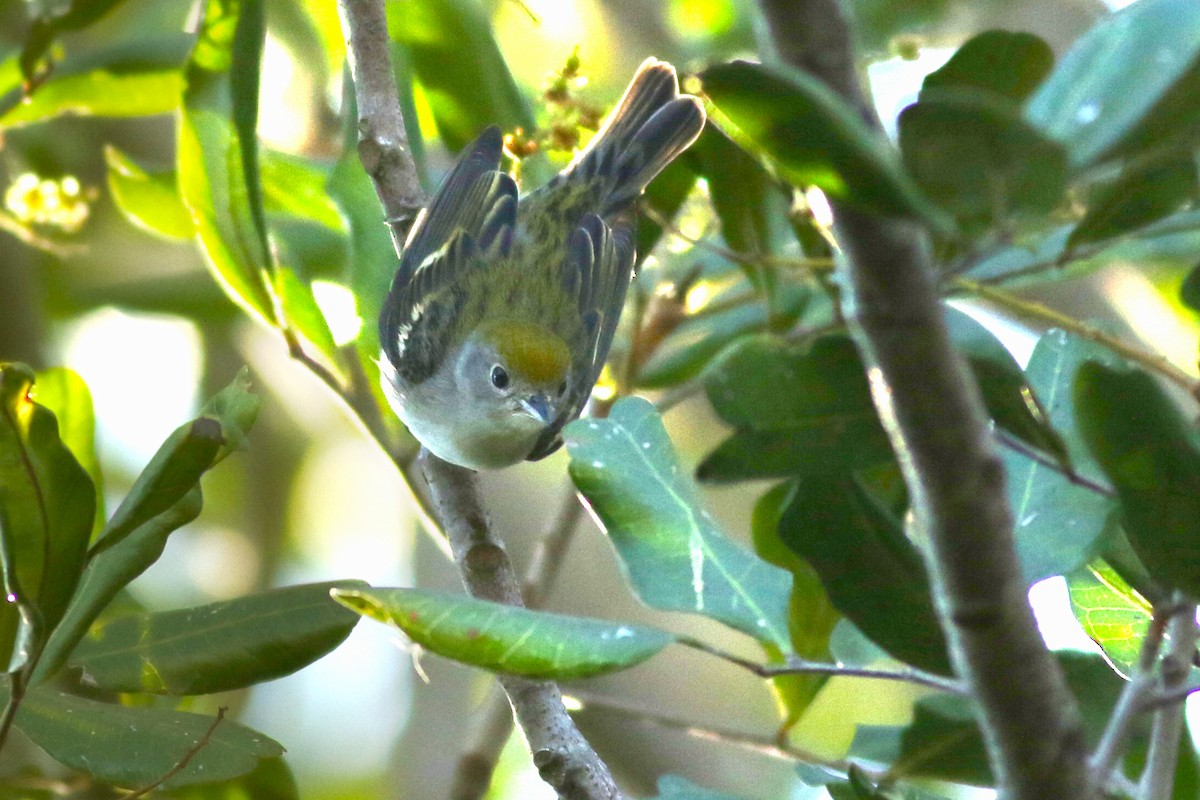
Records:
x=651, y=125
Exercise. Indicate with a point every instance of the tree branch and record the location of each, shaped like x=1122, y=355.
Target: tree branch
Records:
x=934, y=416
x=1158, y=778
x=563, y=757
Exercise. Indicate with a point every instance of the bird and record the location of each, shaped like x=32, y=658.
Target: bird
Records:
x=503, y=308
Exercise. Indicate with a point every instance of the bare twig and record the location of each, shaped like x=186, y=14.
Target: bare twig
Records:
x=795, y=665
x=563, y=757
x=181, y=765
x=934, y=415
x=1036, y=311
x=1158, y=777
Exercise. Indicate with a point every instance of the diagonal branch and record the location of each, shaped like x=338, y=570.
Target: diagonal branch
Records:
x=935, y=418
x=563, y=757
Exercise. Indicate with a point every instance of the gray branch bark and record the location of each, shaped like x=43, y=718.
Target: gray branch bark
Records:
x=936, y=421
x=563, y=757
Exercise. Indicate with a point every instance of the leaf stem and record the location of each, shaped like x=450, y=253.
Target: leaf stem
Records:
x=794, y=665
x=1030, y=309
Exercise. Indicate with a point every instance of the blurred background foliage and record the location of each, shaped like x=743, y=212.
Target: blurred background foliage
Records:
x=129, y=304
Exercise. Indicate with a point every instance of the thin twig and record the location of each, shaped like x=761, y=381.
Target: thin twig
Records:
x=1006, y=439
x=181, y=765
x=1129, y=704
x=1036, y=311
x=1158, y=776
x=795, y=665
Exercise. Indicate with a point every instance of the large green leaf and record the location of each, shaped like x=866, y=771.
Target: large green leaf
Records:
x=149, y=200
x=270, y=780
x=1111, y=612
x=873, y=574
x=117, y=82
x=47, y=506
x=137, y=747
x=1150, y=453
x=465, y=94
x=798, y=410
x=675, y=556
x=217, y=647
x=978, y=160
x=218, y=152
x=1112, y=79
x=1057, y=523
x=164, y=497
x=812, y=138
x=518, y=641
x=63, y=392
x=1002, y=64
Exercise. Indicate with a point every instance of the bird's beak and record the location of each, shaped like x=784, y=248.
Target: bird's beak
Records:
x=538, y=406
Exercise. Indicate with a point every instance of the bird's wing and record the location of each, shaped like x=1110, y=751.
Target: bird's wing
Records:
x=470, y=221
x=597, y=270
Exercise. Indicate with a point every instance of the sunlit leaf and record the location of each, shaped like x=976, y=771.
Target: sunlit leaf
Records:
x=216, y=647
x=47, y=505
x=673, y=552
x=1111, y=612
x=63, y=392
x=518, y=641
x=218, y=153
x=150, y=200
x=137, y=747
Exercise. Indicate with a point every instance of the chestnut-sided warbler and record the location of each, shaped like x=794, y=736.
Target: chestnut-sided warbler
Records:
x=502, y=313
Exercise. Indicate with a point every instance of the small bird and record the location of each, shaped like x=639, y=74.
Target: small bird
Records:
x=502, y=312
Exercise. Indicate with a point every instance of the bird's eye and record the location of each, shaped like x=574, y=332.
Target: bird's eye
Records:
x=562, y=388
x=499, y=377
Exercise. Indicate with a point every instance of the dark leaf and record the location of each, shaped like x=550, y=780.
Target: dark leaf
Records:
x=1142, y=194
x=1000, y=63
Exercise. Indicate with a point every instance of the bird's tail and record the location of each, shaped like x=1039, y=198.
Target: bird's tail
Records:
x=651, y=125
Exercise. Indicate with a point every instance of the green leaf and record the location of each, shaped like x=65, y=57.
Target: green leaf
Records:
x=1189, y=291
x=149, y=200
x=978, y=160
x=1003, y=64
x=812, y=138
x=70, y=16
x=216, y=647
x=798, y=410
x=1141, y=195
x=47, y=505
x=517, y=641
x=115, y=82
x=1111, y=80
x=465, y=94
x=811, y=616
x=1009, y=398
x=270, y=780
x=302, y=313
x=137, y=747
x=1111, y=612
x=1150, y=453
x=1057, y=523
x=63, y=392
x=750, y=204
x=295, y=186
x=873, y=574
x=699, y=339
x=672, y=787
x=673, y=553
x=164, y=497
x=217, y=152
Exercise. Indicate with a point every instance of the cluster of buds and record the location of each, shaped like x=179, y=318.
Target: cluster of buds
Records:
x=569, y=115
x=61, y=203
